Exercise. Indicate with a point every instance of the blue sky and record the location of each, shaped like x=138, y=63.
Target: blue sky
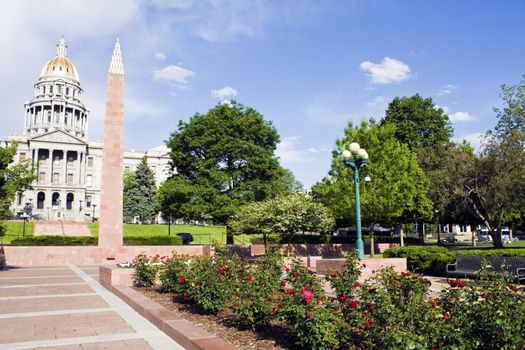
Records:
x=309, y=66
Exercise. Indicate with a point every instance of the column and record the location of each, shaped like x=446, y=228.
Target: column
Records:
x=79, y=166
x=83, y=173
x=50, y=166
x=65, y=166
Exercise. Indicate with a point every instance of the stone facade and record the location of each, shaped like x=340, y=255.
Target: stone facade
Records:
x=55, y=140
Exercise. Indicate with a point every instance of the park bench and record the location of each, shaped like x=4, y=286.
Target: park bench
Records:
x=470, y=266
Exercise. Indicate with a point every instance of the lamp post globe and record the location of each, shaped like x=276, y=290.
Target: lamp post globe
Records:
x=356, y=158
x=354, y=147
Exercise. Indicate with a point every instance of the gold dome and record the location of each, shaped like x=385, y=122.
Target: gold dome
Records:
x=60, y=65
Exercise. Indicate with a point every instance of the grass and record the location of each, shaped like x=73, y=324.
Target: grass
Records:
x=15, y=229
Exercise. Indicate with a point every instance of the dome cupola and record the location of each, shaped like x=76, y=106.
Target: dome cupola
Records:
x=60, y=66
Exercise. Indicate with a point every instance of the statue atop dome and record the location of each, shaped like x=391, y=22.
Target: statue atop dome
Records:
x=62, y=47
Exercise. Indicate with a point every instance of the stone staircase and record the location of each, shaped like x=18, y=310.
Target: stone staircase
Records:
x=61, y=228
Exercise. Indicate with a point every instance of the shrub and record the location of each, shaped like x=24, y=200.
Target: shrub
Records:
x=54, y=241
x=428, y=260
x=316, y=320
x=169, y=276
x=146, y=270
x=255, y=286
x=344, y=283
x=154, y=240
x=493, y=252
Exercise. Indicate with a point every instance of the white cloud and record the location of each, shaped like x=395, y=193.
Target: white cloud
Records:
x=444, y=108
x=226, y=92
x=289, y=152
x=447, y=89
x=475, y=140
x=173, y=74
x=461, y=117
x=378, y=101
x=160, y=56
x=387, y=72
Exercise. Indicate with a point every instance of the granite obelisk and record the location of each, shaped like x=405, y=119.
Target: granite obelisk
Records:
x=110, y=218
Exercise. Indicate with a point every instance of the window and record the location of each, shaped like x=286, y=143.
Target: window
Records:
x=19, y=198
x=42, y=177
x=42, y=159
x=89, y=180
x=90, y=162
x=51, y=86
x=56, y=159
x=56, y=178
x=69, y=179
x=88, y=201
x=40, y=199
x=70, y=159
x=22, y=156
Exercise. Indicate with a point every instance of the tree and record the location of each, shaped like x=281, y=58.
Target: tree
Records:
x=420, y=123
x=283, y=215
x=13, y=179
x=495, y=191
x=398, y=190
x=139, y=194
x=224, y=159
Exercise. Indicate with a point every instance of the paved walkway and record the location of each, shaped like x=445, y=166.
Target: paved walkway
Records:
x=51, y=308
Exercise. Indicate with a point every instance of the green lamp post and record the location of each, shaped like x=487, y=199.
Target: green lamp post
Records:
x=356, y=157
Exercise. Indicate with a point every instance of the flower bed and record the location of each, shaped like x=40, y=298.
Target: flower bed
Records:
x=388, y=311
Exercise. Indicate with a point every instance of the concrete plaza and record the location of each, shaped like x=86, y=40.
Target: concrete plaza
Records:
x=64, y=307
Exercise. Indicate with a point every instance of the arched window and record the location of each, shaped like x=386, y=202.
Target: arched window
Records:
x=69, y=201
x=55, y=199
x=40, y=199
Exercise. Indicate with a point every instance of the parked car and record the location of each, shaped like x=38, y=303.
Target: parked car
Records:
x=186, y=237
x=484, y=238
x=449, y=239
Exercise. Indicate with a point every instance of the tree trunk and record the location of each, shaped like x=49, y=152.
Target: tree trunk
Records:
x=229, y=235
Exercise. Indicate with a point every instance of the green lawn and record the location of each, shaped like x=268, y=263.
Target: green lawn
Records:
x=15, y=229
x=201, y=234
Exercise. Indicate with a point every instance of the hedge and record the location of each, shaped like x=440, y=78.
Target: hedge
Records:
x=492, y=252
x=428, y=260
x=91, y=241
x=328, y=238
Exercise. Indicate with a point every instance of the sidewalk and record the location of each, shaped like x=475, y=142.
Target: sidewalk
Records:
x=64, y=307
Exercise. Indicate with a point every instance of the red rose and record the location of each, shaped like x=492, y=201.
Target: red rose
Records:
x=446, y=316
x=333, y=275
x=405, y=274
x=308, y=286
x=309, y=315
x=433, y=303
x=512, y=287
x=287, y=270
x=185, y=296
x=343, y=298
x=460, y=284
x=369, y=323
x=283, y=283
x=295, y=275
x=249, y=279
x=222, y=271
x=453, y=283
x=182, y=280
x=308, y=296
x=310, y=272
x=353, y=304
x=363, y=314
x=356, y=284
x=274, y=311
x=289, y=291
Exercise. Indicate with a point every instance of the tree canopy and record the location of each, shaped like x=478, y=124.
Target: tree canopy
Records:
x=13, y=179
x=283, y=215
x=224, y=159
x=398, y=190
x=140, y=192
x=495, y=189
x=420, y=123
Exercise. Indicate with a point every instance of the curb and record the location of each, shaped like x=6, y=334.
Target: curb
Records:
x=187, y=334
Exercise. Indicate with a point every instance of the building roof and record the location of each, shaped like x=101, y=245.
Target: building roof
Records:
x=60, y=66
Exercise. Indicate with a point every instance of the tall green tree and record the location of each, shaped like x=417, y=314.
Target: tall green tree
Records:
x=140, y=192
x=427, y=130
x=224, y=159
x=13, y=179
x=495, y=190
x=420, y=123
x=398, y=190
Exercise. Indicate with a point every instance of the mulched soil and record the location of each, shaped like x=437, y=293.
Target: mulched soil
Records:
x=276, y=336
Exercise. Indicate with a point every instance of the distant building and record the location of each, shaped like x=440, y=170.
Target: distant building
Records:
x=55, y=140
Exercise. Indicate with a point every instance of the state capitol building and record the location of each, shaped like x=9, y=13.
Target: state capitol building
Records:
x=55, y=140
